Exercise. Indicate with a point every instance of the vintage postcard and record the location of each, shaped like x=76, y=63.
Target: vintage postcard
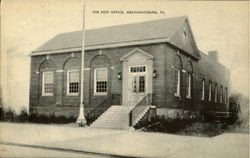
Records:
x=110, y=78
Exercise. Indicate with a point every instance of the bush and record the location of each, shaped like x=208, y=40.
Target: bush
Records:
x=23, y=116
x=192, y=127
x=51, y=118
x=1, y=113
x=9, y=115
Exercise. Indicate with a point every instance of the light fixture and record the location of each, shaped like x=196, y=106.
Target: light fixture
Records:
x=154, y=74
x=119, y=75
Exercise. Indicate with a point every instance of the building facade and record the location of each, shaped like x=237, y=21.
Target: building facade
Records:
x=125, y=63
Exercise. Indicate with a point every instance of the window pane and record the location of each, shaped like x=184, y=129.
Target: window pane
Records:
x=74, y=76
x=48, y=77
x=177, y=82
x=138, y=69
x=101, y=74
x=101, y=86
x=48, y=82
x=101, y=80
x=142, y=84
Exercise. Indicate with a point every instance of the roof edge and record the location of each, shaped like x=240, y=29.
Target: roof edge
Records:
x=93, y=47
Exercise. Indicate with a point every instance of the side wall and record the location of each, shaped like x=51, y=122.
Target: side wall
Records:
x=205, y=68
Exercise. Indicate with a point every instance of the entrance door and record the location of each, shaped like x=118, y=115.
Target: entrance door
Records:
x=137, y=84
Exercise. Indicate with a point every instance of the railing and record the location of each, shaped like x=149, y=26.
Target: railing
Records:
x=139, y=108
x=113, y=99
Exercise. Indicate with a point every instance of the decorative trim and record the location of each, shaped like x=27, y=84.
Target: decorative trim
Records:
x=178, y=52
x=100, y=52
x=125, y=57
x=59, y=70
x=86, y=69
x=72, y=54
x=47, y=57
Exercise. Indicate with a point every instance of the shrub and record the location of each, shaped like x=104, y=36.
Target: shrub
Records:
x=51, y=118
x=1, y=113
x=9, y=115
x=23, y=116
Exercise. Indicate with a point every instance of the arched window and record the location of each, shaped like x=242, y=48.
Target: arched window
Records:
x=188, y=79
x=100, y=74
x=216, y=93
x=177, y=72
x=72, y=76
x=47, y=70
x=210, y=91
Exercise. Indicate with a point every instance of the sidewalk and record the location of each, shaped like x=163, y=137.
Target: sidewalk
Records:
x=125, y=143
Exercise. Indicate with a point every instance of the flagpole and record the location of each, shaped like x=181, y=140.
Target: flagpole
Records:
x=81, y=120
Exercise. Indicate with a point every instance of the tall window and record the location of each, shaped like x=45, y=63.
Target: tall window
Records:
x=215, y=93
x=177, y=74
x=189, y=85
x=177, y=82
x=221, y=94
x=203, y=89
x=48, y=83
x=226, y=95
x=210, y=91
x=73, y=82
x=100, y=81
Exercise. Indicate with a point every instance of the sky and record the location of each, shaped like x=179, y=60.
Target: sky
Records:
x=27, y=24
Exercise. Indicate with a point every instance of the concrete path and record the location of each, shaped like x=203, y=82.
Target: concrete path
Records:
x=125, y=143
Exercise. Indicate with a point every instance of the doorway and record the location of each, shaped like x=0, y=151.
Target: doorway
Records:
x=137, y=81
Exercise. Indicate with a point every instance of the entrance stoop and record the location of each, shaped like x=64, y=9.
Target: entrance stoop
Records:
x=116, y=117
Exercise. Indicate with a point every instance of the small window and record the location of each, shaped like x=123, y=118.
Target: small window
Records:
x=177, y=82
x=184, y=36
x=73, y=82
x=101, y=79
x=48, y=83
x=203, y=89
x=189, y=85
x=138, y=69
x=210, y=92
x=216, y=93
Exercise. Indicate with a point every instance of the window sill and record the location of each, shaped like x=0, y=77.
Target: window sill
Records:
x=100, y=94
x=47, y=95
x=188, y=97
x=72, y=95
x=177, y=95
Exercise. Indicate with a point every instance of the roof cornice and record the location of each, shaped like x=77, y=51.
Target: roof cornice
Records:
x=94, y=47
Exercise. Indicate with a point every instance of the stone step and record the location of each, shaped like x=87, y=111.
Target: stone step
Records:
x=115, y=117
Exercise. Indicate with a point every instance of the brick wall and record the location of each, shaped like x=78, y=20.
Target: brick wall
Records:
x=205, y=68
x=109, y=58
x=163, y=84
